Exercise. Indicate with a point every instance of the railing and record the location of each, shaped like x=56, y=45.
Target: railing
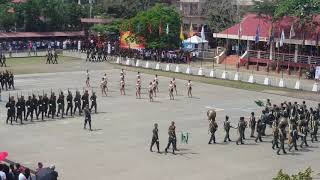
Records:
x=284, y=57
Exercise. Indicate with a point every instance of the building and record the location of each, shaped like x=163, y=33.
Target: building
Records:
x=301, y=50
x=192, y=11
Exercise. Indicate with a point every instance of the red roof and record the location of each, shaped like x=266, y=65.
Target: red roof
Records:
x=96, y=20
x=251, y=21
x=40, y=34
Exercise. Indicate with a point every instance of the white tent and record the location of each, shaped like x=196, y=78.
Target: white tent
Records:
x=196, y=42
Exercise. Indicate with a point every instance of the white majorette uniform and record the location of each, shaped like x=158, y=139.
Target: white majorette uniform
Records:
x=138, y=86
x=154, y=85
x=189, y=86
x=171, y=87
x=88, y=76
x=150, y=89
x=156, y=79
x=122, y=84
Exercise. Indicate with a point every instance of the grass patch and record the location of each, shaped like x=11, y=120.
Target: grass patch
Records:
x=12, y=62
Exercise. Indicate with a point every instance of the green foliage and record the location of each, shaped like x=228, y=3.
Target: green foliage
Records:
x=156, y=16
x=221, y=14
x=42, y=15
x=107, y=29
x=265, y=8
x=305, y=10
x=7, y=19
x=127, y=8
x=305, y=175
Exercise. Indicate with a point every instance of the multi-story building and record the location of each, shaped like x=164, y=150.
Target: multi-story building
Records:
x=192, y=11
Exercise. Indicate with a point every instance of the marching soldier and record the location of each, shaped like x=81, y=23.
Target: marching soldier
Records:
x=213, y=127
x=259, y=130
x=282, y=135
x=227, y=127
x=52, y=105
x=4, y=61
x=275, y=131
x=23, y=107
x=45, y=105
x=11, y=81
x=241, y=128
x=155, y=138
x=85, y=99
x=314, y=126
x=19, y=106
x=252, y=124
x=29, y=108
x=294, y=137
x=69, y=103
x=11, y=110
x=60, y=103
x=34, y=104
x=303, y=126
x=172, y=137
x=49, y=58
x=93, y=99
x=55, y=57
x=263, y=119
x=77, y=103
x=41, y=108
x=87, y=118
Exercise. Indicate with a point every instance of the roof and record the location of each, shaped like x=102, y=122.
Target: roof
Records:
x=195, y=40
x=251, y=21
x=96, y=20
x=40, y=34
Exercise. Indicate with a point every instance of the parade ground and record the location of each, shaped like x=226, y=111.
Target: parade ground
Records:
x=118, y=146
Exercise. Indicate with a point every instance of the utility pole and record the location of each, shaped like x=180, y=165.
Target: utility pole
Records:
x=91, y=3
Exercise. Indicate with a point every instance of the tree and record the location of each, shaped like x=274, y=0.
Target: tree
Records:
x=265, y=9
x=305, y=10
x=108, y=29
x=147, y=24
x=8, y=17
x=31, y=13
x=127, y=8
x=221, y=14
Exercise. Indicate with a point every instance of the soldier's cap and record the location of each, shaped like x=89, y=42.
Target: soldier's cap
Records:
x=241, y=118
x=252, y=113
x=227, y=117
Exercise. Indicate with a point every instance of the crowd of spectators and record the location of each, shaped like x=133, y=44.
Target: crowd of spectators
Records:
x=18, y=172
x=36, y=45
x=169, y=56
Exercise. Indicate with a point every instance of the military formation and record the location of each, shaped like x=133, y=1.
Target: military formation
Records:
x=97, y=55
x=290, y=122
x=43, y=106
x=7, y=80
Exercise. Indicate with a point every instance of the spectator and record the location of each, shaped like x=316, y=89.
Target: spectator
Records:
x=2, y=173
x=9, y=174
x=40, y=166
x=54, y=173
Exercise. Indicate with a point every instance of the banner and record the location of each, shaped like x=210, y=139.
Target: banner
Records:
x=317, y=75
x=126, y=41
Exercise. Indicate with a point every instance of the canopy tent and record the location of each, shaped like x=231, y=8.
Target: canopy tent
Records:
x=195, y=42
